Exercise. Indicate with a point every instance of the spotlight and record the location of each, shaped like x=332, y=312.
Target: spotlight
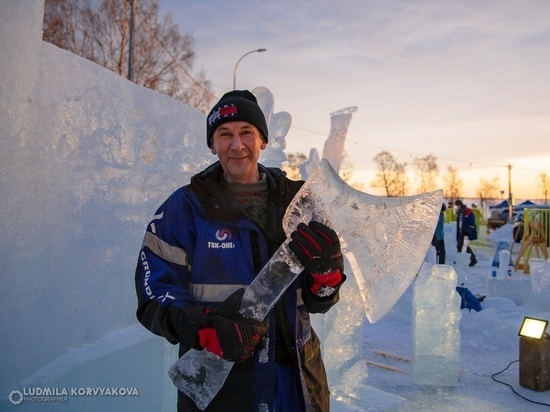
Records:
x=533, y=328
x=534, y=354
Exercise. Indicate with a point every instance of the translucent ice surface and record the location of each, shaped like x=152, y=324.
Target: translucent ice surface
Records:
x=384, y=239
x=200, y=376
x=436, y=320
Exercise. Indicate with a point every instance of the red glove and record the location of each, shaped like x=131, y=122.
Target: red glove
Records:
x=317, y=247
x=229, y=334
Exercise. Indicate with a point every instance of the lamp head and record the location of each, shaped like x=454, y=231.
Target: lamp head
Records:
x=534, y=328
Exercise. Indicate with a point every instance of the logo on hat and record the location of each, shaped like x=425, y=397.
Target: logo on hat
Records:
x=236, y=105
x=222, y=112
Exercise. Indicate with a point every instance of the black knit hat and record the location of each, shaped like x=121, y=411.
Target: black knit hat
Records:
x=234, y=106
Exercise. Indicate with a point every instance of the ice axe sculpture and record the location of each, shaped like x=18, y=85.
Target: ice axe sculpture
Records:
x=384, y=239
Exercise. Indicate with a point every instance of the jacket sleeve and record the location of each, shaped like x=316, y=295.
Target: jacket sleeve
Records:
x=166, y=306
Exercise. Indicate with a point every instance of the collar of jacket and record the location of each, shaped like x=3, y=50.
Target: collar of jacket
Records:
x=218, y=202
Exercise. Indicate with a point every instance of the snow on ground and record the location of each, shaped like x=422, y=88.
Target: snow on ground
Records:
x=489, y=342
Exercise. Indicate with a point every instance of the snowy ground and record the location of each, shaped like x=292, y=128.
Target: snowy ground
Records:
x=489, y=342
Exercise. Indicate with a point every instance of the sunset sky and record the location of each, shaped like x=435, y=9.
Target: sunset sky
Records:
x=468, y=81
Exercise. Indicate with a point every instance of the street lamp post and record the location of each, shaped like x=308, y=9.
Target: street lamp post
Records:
x=130, y=44
x=238, y=61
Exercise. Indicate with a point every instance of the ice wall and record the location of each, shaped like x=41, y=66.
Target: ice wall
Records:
x=86, y=157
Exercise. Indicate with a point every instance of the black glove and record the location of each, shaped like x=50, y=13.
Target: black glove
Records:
x=229, y=334
x=317, y=248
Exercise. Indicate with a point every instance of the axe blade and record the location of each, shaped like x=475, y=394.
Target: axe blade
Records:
x=384, y=239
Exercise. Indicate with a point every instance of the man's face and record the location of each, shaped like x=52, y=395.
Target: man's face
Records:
x=238, y=145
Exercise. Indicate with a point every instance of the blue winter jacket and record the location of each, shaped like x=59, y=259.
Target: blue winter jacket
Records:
x=197, y=250
x=466, y=224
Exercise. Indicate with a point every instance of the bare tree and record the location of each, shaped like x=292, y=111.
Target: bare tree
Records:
x=427, y=172
x=391, y=175
x=452, y=185
x=346, y=168
x=99, y=30
x=294, y=160
x=488, y=190
x=292, y=165
x=544, y=184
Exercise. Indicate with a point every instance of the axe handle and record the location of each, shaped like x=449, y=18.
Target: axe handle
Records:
x=201, y=374
x=272, y=281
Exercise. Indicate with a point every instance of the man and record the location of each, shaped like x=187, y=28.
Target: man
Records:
x=466, y=229
x=209, y=240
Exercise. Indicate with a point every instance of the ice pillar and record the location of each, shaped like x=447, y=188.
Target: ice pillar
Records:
x=436, y=319
x=334, y=145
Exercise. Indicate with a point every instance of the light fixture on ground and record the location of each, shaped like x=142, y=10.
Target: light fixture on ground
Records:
x=238, y=61
x=534, y=328
x=534, y=354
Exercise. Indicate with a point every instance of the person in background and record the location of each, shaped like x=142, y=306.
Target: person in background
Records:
x=438, y=240
x=209, y=240
x=466, y=229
